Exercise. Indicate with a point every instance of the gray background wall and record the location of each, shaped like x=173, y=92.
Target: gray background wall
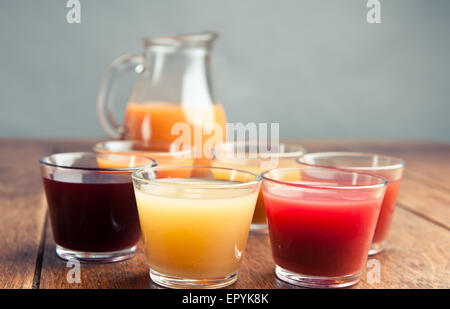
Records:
x=315, y=66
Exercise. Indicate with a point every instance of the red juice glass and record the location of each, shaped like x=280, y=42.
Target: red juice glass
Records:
x=321, y=223
x=389, y=168
x=91, y=204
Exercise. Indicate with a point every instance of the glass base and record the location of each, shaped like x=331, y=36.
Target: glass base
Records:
x=376, y=247
x=259, y=228
x=183, y=283
x=95, y=257
x=314, y=281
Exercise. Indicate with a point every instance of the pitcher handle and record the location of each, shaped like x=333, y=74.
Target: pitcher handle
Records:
x=105, y=97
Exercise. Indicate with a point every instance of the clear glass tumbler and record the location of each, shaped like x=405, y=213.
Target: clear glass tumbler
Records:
x=165, y=153
x=257, y=157
x=321, y=223
x=389, y=168
x=91, y=204
x=195, y=228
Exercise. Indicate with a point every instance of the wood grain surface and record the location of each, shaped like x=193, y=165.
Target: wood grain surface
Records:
x=417, y=253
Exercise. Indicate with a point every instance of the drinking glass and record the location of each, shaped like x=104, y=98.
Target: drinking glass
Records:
x=91, y=204
x=165, y=153
x=321, y=223
x=195, y=228
x=389, y=168
x=257, y=157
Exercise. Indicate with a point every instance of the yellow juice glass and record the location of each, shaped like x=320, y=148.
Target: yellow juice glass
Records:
x=257, y=157
x=195, y=228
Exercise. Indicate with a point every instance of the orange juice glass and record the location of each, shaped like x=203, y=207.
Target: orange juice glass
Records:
x=165, y=153
x=195, y=229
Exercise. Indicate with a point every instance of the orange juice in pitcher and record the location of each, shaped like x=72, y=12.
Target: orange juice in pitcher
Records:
x=173, y=87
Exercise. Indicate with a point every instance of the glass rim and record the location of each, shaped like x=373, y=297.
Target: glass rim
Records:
x=299, y=184
x=98, y=148
x=400, y=163
x=43, y=161
x=251, y=183
x=299, y=152
x=181, y=40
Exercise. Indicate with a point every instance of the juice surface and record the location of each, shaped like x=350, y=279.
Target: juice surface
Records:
x=195, y=237
x=92, y=216
x=326, y=236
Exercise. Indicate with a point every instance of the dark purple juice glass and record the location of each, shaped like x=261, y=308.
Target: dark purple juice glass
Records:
x=91, y=204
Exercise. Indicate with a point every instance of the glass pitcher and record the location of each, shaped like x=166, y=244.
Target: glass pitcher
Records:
x=174, y=86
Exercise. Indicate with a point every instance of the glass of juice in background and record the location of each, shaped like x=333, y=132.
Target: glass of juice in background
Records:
x=389, y=168
x=195, y=229
x=165, y=153
x=321, y=223
x=92, y=207
x=256, y=157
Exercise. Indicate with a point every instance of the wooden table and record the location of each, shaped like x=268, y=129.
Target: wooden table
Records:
x=417, y=255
